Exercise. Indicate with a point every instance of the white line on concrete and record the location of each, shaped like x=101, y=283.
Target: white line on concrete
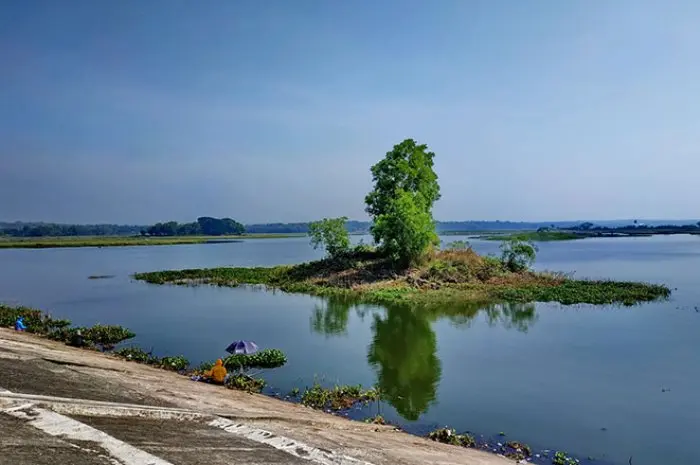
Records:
x=69, y=406
x=287, y=445
x=73, y=406
x=52, y=399
x=57, y=425
x=17, y=407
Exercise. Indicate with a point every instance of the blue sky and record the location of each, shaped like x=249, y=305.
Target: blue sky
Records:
x=138, y=112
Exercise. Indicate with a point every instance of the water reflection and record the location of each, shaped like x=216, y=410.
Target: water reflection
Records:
x=403, y=351
x=331, y=318
x=404, y=354
x=516, y=316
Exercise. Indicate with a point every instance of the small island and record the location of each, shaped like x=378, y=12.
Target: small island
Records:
x=545, y=235
x=407, y=266
x=586, y=230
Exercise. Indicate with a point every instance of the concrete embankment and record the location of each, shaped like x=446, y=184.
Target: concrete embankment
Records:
x=64, y=405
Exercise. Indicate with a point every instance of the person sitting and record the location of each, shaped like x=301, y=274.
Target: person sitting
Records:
x=218, y=373
x=19, y=324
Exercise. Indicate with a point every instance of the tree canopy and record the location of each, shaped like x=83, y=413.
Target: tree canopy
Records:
x=405, y=189
x=204, y=225
x=331, y=234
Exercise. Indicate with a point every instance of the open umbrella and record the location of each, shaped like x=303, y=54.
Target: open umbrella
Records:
x=242, y=347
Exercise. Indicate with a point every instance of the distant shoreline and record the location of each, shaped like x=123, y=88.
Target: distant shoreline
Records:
x=572, y=235
x=132, y=241
x=125, y=241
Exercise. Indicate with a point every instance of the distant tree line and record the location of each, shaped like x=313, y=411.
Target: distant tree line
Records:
x=204, y=226
x=657, y=228
x=278, y=228
x=52, y=229
x=172, y=228
x=353, y=227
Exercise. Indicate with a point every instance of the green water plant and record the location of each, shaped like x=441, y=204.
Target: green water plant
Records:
x=35, y=320
x=264, y=359
x=38, y=322
x=517, y=450
x=176, y=363
x=136, y=354
x=561, y=458
x=204, y=367
x=376, y=420
x=450, y=436
x=584, y=291
x=339, y=397
x=243, y=382
x=106, y=336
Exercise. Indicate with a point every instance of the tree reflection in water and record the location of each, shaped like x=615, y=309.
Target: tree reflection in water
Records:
x=404, y=354
x=404, y=347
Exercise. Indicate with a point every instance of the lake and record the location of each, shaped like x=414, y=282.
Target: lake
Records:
x=604, y=382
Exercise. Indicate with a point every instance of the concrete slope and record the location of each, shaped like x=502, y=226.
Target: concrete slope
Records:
x=38, y=367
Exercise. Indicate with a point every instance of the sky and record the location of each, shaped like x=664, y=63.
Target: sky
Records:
x=274, y=111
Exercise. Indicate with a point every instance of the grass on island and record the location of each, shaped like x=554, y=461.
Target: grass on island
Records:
x=536, y=236
x=447, y=276
x=123, y=241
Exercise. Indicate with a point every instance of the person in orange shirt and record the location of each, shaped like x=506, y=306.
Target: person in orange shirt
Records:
x=218, y=373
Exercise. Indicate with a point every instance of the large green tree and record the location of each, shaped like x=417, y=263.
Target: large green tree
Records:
x=405, y=189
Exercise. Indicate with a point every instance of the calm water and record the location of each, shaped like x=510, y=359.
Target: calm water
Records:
x=583, y=379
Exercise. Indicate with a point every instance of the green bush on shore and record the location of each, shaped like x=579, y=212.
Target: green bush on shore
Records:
x=136, y=354
x=37, y=322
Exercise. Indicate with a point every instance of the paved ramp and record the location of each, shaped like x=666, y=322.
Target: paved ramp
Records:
x=39, y=429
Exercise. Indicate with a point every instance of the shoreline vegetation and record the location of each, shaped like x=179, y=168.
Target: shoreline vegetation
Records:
x=126, y=241
x=568, y=235
x=334, y=400
x=448, y=276
x=535, y=236
x=49, y=242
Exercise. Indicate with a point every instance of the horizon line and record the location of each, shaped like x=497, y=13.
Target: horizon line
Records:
x=369, y=221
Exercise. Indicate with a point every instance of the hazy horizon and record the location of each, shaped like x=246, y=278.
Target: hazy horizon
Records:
x=601, y=221
x=136, y=112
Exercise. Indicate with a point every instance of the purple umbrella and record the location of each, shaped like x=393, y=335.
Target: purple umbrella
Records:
x=242, y=347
